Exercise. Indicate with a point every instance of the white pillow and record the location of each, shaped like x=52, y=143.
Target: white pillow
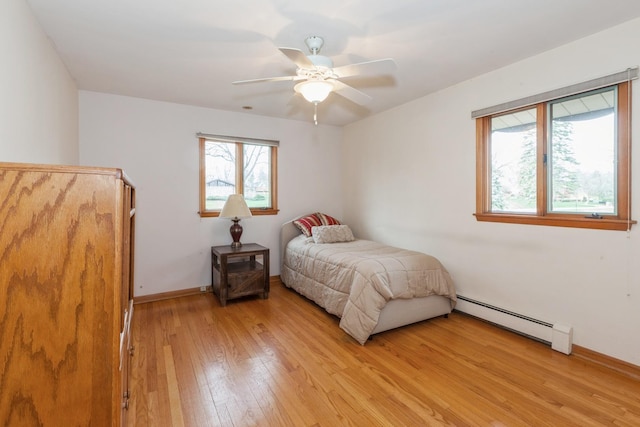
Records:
x=332, y=233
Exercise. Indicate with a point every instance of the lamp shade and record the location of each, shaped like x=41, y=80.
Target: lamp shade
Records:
x=314, y=91
x=235, y=207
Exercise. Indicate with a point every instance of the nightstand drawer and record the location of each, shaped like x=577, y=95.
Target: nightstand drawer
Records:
x=245, y=282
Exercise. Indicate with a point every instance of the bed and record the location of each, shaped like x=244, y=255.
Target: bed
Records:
x=370, y=286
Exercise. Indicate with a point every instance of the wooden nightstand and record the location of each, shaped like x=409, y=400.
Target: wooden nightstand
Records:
x=236, y=273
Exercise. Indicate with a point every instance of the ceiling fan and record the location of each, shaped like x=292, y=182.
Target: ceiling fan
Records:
x=318, y=78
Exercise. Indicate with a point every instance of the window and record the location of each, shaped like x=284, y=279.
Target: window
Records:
x=561, y=162
x=230, y=165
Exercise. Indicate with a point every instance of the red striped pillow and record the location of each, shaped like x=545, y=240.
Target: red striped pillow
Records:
x=327, y=220
x=305, y=223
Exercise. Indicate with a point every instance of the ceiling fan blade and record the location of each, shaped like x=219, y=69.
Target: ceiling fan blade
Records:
x=378, y=66
x=351, y=93
x=268, y=79
x=298, y=57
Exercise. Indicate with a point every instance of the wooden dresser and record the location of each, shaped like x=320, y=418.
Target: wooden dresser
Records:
x=66, y=292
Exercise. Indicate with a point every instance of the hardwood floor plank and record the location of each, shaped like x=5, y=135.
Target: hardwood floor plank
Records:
x=283, y=389
x=175, y=404
x=500, y=386
x=285, y=362
x=195, y=397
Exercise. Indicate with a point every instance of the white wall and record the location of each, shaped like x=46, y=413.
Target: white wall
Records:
x=156, y=144
x=39, y=99
x=421, y=156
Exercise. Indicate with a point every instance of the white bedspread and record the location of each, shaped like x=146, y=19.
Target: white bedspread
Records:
x=354, y=280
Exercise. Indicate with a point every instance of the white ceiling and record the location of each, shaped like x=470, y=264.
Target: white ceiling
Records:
x=189, y=51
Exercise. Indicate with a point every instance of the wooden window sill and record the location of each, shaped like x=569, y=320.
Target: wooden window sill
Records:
x=558, y=221
x=254, y=212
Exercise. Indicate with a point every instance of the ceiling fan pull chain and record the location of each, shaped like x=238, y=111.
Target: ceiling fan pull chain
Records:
x=315, y=113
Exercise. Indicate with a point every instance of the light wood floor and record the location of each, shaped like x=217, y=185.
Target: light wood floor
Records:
x=285, y=362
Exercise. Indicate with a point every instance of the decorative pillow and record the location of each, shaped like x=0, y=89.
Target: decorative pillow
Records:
x=332, y=234
x=304, y=224
x=327, y=220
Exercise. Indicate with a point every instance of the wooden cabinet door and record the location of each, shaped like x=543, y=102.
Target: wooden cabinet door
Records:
x=58, y=267
x=126, y=290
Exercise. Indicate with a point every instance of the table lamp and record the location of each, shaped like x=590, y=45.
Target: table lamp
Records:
x=235, y=208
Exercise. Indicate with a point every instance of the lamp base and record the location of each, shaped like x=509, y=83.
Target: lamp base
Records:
x=236, y=232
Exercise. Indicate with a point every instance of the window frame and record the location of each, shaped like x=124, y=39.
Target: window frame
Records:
x=621, y=221
x=239, y=159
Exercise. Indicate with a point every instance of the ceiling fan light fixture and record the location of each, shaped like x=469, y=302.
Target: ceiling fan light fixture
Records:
x=314, y=91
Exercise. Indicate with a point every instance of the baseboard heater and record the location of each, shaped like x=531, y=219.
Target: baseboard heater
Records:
x=558, y=335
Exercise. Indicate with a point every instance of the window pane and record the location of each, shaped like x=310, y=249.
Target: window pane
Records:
x=582, y=147
x=220, y=175
x=257, y=176
x=513, y=162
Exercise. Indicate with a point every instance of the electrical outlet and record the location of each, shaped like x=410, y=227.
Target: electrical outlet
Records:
x=203, y=289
